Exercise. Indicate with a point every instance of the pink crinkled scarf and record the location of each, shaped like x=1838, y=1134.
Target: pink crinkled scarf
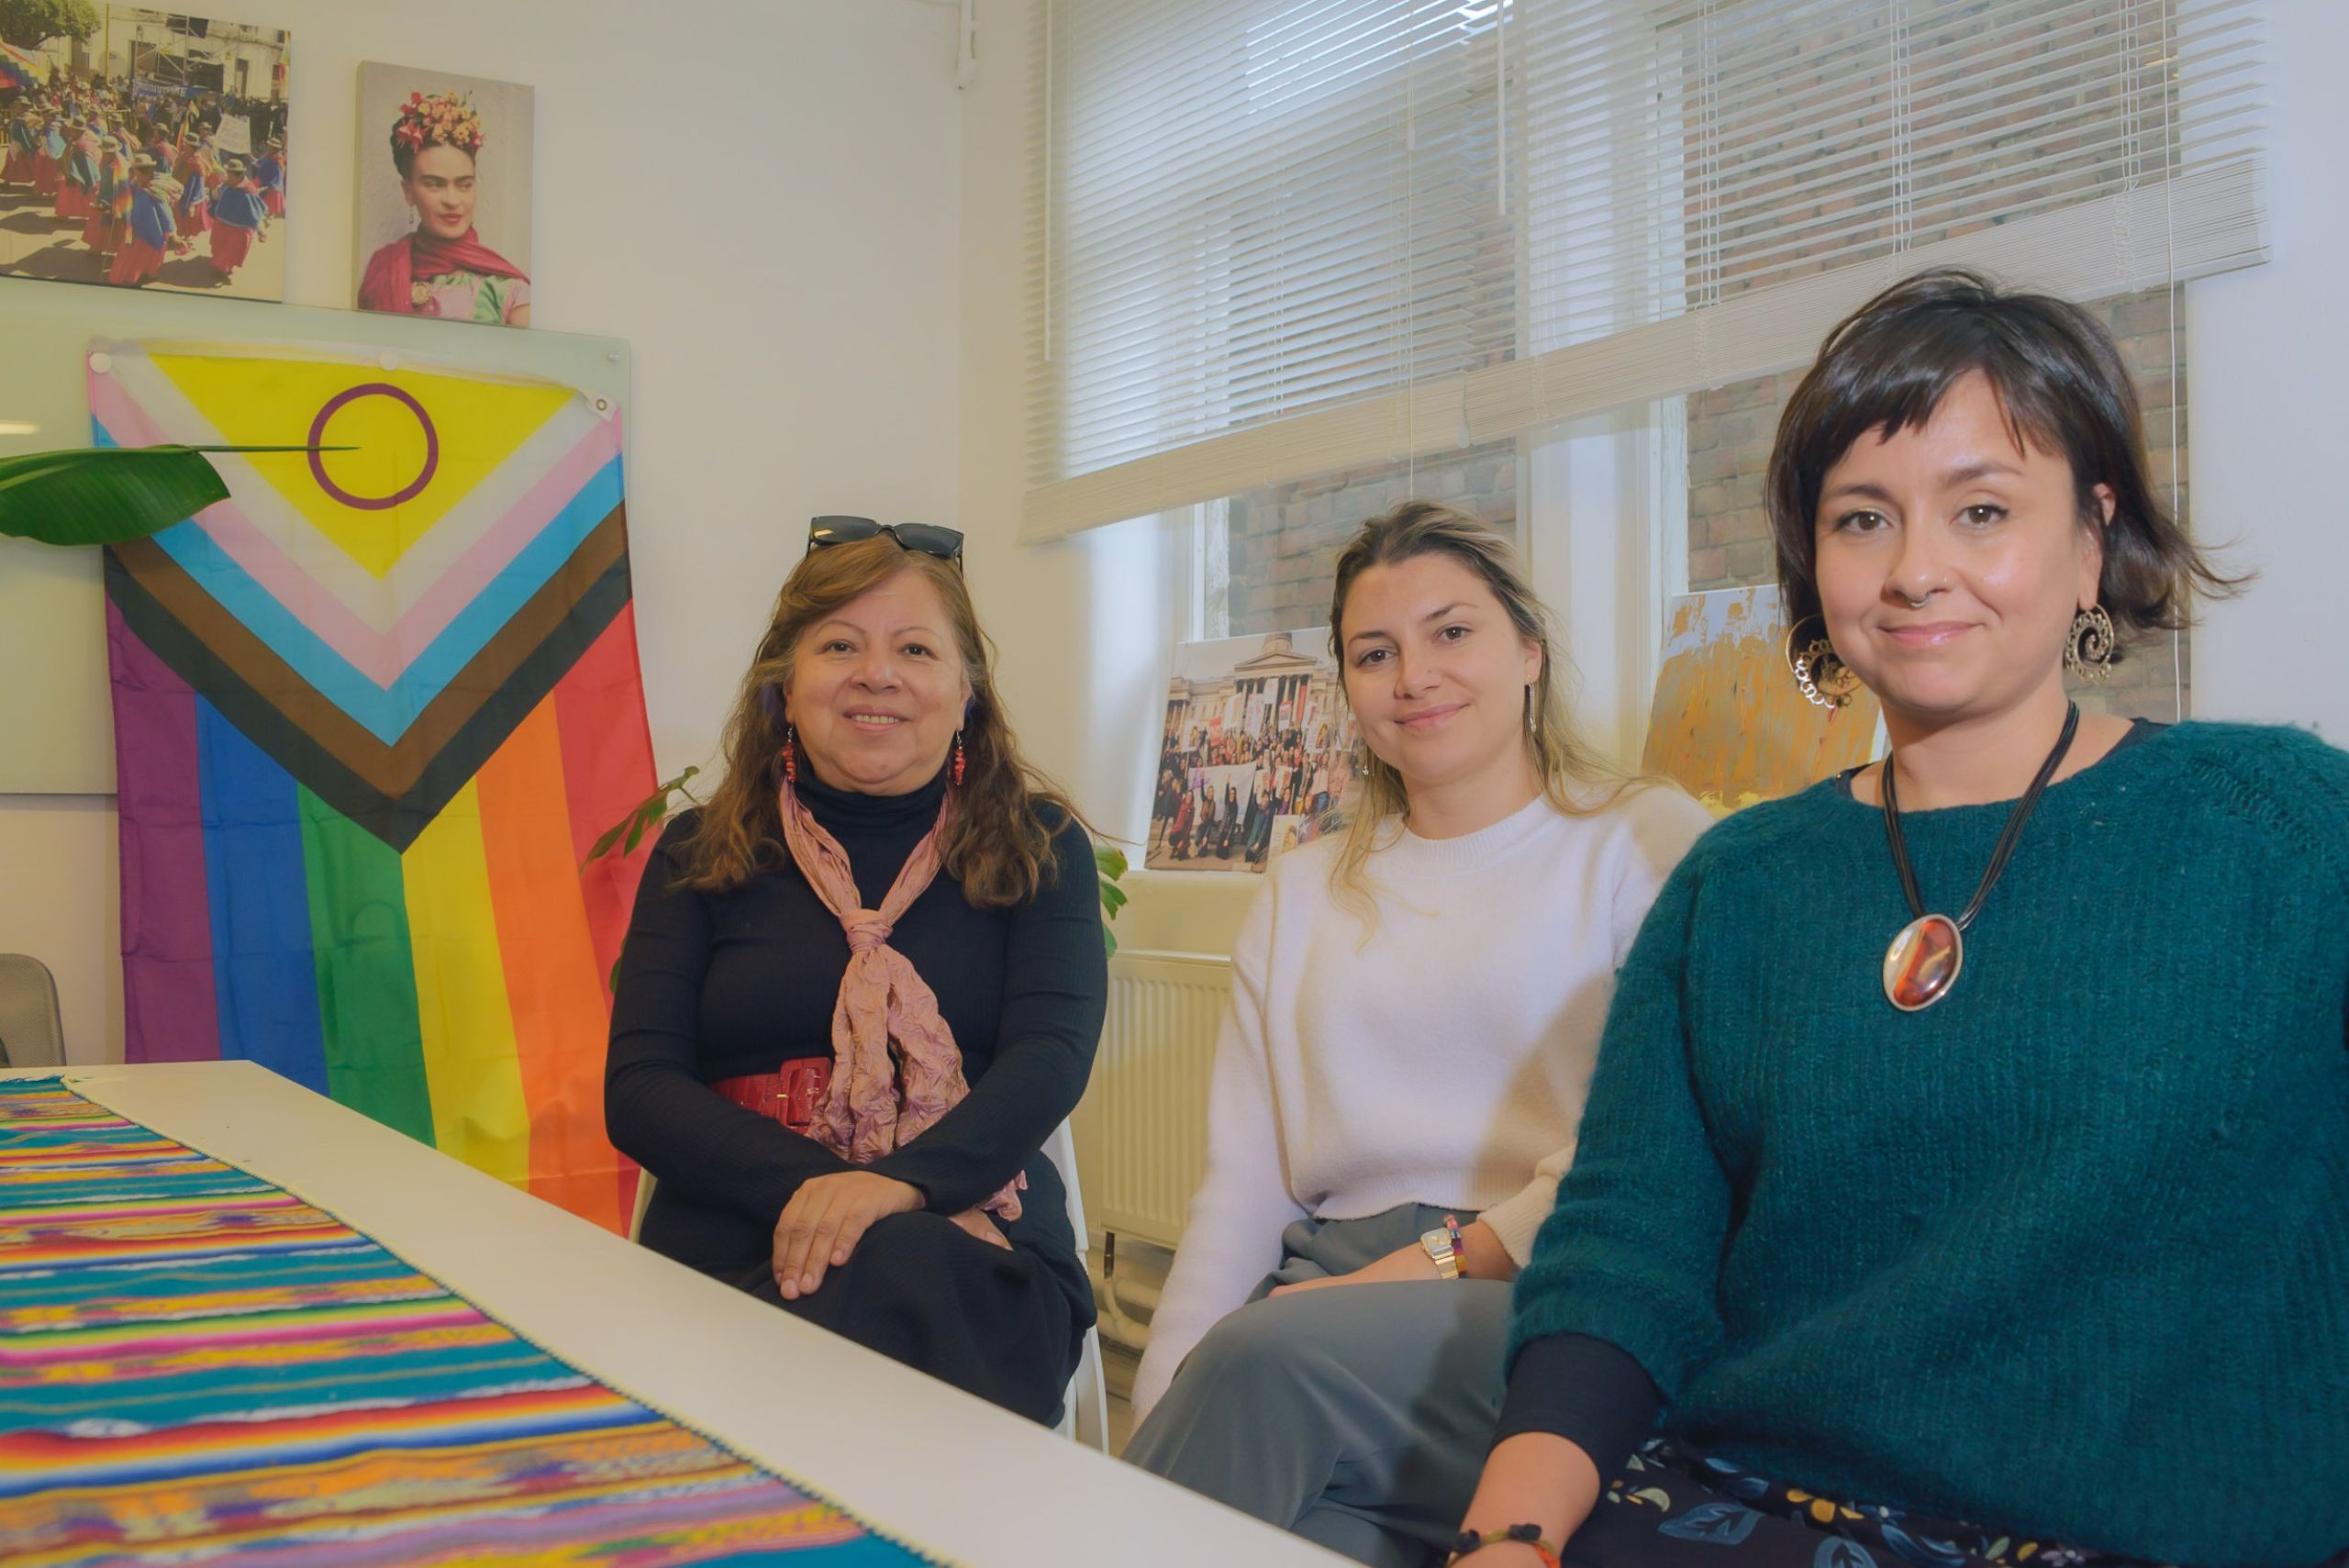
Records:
x=896, y=1068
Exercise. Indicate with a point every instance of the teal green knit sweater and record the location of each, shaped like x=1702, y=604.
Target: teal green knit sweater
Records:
x=2067, y=1254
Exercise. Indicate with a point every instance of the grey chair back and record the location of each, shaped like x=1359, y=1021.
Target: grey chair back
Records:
x=31, y=1033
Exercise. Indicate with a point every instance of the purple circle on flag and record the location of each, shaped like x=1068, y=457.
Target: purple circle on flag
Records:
x=374, y=503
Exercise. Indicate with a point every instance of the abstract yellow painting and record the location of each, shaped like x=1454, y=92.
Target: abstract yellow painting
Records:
x=1728, y=723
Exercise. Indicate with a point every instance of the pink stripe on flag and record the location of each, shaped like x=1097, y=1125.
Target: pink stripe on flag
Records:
x=369, y=651
x=431, y=611
x=170, y=1010
x=382, y=657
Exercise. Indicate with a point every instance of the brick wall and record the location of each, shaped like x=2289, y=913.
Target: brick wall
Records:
x=1785, y=198
x=1730, y=431
x=1285, y=539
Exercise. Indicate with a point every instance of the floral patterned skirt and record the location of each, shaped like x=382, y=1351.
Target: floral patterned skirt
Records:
x=1672, y=1506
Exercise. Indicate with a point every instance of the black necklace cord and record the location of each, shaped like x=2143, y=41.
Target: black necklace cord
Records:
x=2006, y=838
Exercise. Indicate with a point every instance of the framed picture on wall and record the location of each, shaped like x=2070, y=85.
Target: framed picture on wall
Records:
x=444, y=196
x=1256, y=754
x=152, y=153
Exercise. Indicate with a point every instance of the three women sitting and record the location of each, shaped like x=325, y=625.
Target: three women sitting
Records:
x=1961, y=1179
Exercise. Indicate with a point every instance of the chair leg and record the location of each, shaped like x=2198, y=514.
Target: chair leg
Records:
x=644, y=1202
x=1088, y=1398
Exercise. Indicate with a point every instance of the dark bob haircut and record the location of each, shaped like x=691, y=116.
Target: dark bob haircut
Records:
x=2061, y=381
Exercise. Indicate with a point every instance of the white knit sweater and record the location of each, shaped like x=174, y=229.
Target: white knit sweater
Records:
x=1442, y=1058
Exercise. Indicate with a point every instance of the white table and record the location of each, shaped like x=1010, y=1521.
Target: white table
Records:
x=943, y=1470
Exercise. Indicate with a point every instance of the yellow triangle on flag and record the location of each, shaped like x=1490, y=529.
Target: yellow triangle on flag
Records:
x=401, y=480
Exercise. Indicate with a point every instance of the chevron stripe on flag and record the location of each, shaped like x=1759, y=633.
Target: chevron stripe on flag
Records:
x=370, y=712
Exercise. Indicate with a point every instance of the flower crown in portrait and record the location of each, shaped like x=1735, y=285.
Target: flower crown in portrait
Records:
x=445, y=119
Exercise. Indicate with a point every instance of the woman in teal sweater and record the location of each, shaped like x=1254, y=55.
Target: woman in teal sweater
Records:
x=1965, y=1178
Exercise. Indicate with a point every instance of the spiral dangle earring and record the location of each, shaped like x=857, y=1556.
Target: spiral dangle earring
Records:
x=2093, y=645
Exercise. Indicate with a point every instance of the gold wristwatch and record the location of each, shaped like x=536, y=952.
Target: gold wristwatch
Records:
x=1443, y=1244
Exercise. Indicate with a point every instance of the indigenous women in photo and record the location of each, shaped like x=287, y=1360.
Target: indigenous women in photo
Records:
x=1965, y=1168
x=110, y=203
x=268, y=178
x=77, y=187
x=442, y=268
x=236, y=218
x=49, y=161
x=1415, y=1008
x=22, y=137
x=193, y=172
x=150, y=229
x=879, y=876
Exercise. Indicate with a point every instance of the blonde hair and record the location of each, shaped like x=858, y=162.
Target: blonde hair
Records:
x=1575, y=780
x=998, y=843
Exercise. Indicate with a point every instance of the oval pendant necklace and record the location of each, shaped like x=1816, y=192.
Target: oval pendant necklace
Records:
x=1923, y=962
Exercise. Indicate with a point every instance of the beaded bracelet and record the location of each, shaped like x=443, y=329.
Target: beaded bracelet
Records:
x=1468, y=1543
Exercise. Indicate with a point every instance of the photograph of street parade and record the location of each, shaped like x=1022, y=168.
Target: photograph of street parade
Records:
x=144, y=149
x=1256, y=756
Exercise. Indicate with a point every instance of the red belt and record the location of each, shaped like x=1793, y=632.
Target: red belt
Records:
x=790, y=1094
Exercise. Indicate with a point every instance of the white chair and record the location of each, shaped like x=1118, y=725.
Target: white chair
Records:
x=32, y=1032
x=1085, y=1409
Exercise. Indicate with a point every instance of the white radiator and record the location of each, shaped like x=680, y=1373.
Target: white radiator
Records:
x=1141, y=1128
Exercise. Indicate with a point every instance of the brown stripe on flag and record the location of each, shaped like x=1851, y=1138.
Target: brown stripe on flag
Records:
x=395, y=769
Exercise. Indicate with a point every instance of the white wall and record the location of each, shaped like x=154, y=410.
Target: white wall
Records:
x=1084, y=625
x=762, y=196
x=2264, y=353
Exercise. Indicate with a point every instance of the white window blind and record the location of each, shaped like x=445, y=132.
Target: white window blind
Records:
x=1276, y=239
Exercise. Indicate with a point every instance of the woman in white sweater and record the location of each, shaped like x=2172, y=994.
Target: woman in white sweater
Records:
x=1415, y=1014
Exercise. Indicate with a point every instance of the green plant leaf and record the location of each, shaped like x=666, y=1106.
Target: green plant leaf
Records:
x=610, y=836
x=646, y=813
x=1110, y=861
x=110, y=494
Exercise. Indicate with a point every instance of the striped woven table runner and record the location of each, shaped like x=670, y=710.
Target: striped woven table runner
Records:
x=197, y=1366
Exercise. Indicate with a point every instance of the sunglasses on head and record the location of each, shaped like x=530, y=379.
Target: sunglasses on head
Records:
x=924, y=538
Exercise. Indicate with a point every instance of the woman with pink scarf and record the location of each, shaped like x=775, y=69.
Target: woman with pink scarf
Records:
x=864, y=984
x=442, y=268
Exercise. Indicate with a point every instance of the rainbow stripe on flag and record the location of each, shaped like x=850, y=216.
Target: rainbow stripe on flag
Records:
x=370, y=712
x=197, y=1366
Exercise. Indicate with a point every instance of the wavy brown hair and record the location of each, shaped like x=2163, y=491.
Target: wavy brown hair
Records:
x=1575, y=780
x=998, y=843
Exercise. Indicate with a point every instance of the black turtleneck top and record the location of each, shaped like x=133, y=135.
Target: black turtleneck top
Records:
x=718, y=985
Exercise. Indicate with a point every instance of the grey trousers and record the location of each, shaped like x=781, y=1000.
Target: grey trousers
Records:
x=1356, y=1418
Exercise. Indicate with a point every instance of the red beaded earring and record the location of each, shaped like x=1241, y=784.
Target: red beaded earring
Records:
x=790, y=756
x=958, y=759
